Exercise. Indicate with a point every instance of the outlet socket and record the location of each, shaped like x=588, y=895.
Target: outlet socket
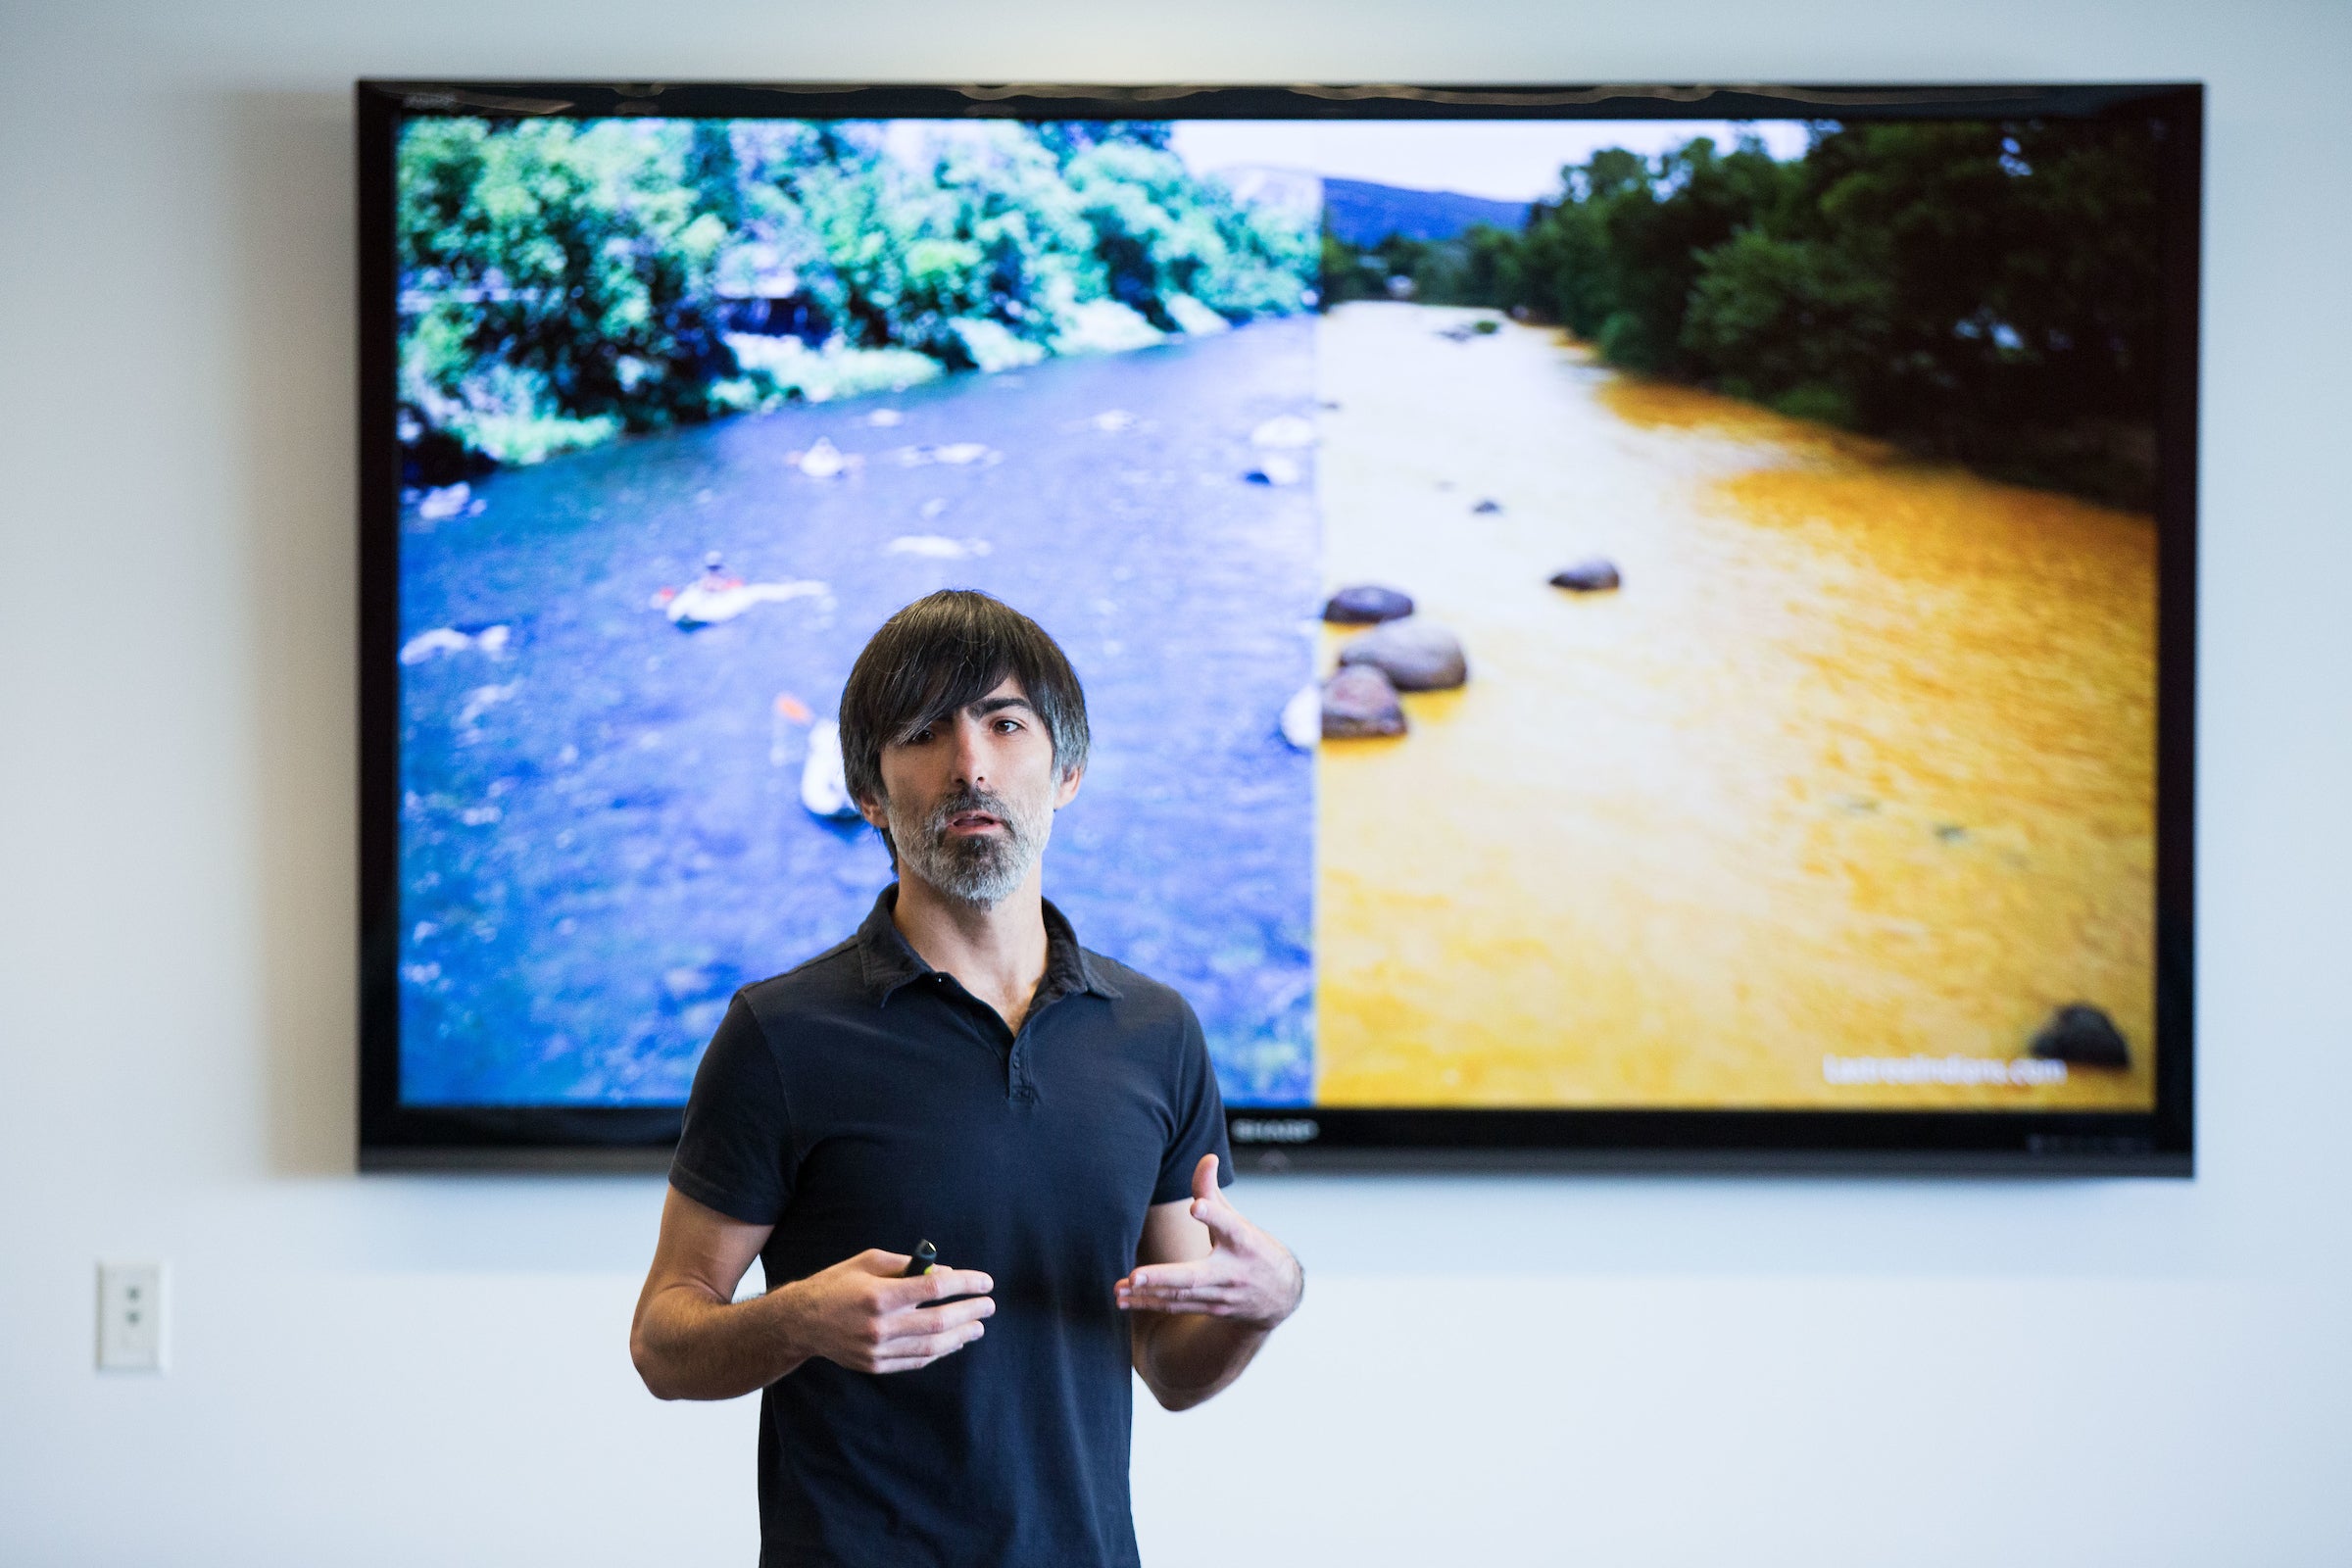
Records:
x=130, y=1317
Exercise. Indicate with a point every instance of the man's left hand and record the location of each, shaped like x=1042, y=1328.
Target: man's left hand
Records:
x=1248, y=1275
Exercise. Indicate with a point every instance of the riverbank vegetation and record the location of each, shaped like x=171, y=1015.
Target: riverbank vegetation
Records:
x=1978, y=291
x=563, y=282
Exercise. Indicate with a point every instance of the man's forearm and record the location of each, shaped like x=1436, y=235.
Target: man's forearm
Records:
x=691, y=1347
x=1185, y=1359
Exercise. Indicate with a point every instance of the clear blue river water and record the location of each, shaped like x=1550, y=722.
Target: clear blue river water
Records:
x=601, y=828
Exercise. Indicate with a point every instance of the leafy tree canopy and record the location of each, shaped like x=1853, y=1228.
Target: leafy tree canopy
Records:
x=564, y=281
x=1977, y=290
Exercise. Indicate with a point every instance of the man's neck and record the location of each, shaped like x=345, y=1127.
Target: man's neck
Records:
x=998, y=954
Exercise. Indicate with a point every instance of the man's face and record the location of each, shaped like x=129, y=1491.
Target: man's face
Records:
x=969, y=801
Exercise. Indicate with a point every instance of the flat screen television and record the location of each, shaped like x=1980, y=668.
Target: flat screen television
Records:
x=1623, y=625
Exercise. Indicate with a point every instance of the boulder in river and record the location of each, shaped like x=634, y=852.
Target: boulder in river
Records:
x=490, y=640
x=449, y=500
x=2083, y=1036
x=822, y=461
x=693, y=982
x=1587, y=576
x=1284, y=433
x=824, y=785
x=1357, y=702
x=1301, y=722
x=1366, y=604
x=1414, y=654
x=699, y=604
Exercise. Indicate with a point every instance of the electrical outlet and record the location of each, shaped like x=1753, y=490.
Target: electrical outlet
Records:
x=130, y=1317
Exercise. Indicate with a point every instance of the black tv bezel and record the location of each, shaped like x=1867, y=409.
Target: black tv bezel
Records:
x=397, y=1135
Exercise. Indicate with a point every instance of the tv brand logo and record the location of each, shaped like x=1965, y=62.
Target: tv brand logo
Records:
x=1279, y=1130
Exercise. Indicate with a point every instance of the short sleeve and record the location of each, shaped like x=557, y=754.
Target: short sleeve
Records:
x=736, y=1153
x=1200, y=1117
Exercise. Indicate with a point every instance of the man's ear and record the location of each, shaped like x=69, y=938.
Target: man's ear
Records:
x=876, y=811
x=1069, y=788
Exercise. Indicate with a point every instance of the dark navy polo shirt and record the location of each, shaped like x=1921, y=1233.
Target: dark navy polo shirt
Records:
x=867, y=1099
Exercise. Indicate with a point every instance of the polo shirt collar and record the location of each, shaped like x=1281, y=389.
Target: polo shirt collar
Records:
x=890, y=961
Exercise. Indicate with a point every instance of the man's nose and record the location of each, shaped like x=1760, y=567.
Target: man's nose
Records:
x=968, y=759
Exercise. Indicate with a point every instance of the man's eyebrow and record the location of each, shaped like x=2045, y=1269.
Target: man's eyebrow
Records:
x=993, y=705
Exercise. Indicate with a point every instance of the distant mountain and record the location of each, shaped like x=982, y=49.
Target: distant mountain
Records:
x=1362, y=214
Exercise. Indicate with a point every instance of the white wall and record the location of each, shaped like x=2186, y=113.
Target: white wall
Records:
x=1597, y=1371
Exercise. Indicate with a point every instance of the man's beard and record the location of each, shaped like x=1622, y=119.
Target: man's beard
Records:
x=983, y=870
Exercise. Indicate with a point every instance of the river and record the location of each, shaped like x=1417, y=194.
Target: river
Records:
x=1858, y=761
x=603, y=834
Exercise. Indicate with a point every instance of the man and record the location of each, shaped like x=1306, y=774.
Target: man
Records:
x=959, y=1071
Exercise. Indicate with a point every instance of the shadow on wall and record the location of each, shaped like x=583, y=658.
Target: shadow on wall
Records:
x=291, y=407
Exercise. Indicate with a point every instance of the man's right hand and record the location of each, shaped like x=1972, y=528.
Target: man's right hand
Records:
x=692, y=1340
x=863, y=1314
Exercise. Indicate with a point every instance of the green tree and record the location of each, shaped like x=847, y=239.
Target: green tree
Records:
x=561, y=279
x=1980, y=290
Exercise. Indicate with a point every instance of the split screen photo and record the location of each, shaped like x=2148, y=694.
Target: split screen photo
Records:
x=1574, y=613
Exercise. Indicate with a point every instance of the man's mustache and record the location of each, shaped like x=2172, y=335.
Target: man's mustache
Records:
x=970, y=800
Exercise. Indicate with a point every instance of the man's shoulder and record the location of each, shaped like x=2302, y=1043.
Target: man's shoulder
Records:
x=1142, y=1000
x=828, y=982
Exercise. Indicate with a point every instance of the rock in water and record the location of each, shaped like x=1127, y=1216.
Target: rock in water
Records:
x=824, y=789
x=1303, y=718
x=936, y=546
x=1360, y=702
x=822, y=461
x=1587, y=576
x=1365, y=604
x=696, y=605
x=2083, y=1035
x=1415, y=656
x=449, y=640
x=1488, y=504
x=1284, y=431
x=447, y=502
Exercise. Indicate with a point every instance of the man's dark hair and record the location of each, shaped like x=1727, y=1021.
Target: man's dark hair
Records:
x=938, y=656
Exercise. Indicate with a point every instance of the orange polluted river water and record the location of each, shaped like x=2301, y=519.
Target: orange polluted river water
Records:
x=1860, y=761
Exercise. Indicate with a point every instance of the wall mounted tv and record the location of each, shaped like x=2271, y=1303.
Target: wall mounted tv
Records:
x=1623, y=625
